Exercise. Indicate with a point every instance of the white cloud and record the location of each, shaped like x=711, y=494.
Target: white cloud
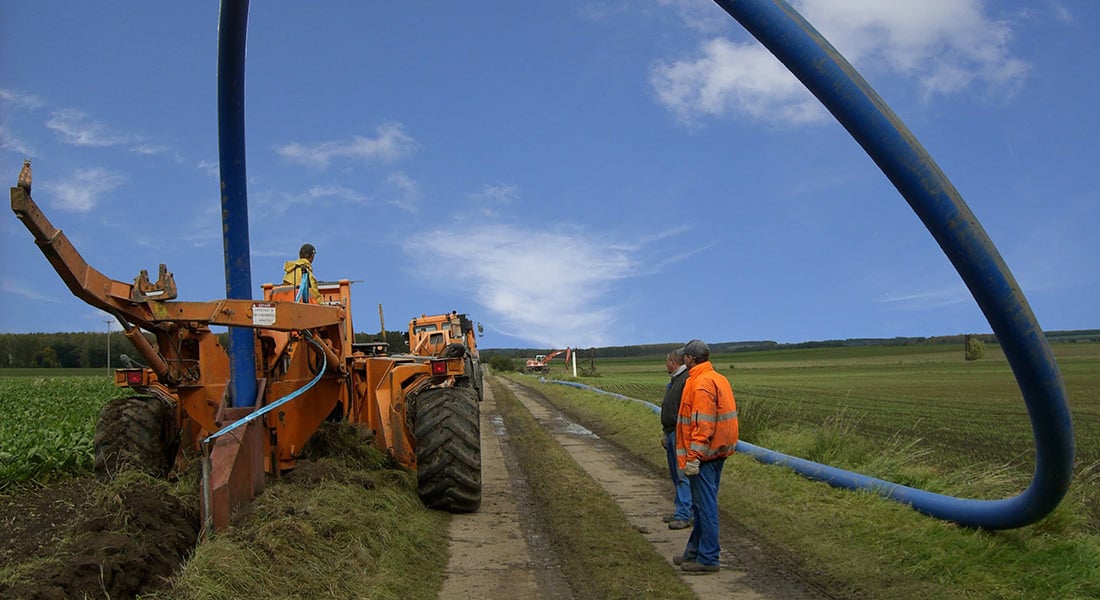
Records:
x=209, y=167
x=8, y=141
x=406, y=192
x=500, y=193
x=944, y=46
x=399, y=190
x=82, y=191
x=491, y=196
x=1062, y=12
x=21, y=101
x=390, y=144
x=734, y=79
x=149, y=149
x=703, y=16
x=929, y=299
x=566, y=301
x=76, y=128
x=10, y=287
x=337, y=192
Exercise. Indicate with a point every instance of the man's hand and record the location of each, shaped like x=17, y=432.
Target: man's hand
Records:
x=691, y=469
x=664, y=442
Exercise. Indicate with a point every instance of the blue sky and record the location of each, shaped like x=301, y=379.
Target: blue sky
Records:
x=575, y=173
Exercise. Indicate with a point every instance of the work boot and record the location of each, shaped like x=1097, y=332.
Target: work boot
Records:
x=669, y=518
x=679, y=524
x=694, y=568
x=679, y=559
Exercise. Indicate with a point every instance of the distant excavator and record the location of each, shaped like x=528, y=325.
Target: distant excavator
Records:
x=541, y=362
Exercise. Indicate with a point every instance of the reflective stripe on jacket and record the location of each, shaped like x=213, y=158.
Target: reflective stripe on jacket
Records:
x=707, y=424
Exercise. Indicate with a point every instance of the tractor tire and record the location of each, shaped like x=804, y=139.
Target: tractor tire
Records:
x=473, y=368
x=448, y=449
x=135, y=433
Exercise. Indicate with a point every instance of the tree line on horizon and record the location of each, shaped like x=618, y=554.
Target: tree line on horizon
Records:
x=89, y=350
x=660, y=350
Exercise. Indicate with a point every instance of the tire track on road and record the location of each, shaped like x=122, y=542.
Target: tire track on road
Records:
x=499, y=551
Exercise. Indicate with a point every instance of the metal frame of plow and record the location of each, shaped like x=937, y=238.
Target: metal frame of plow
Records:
x=937, y=203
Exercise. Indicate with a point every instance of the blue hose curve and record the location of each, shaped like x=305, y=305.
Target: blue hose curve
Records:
x=899, y=155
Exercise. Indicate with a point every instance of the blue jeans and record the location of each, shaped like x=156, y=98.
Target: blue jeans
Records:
x=702, y=545
x=679, y=481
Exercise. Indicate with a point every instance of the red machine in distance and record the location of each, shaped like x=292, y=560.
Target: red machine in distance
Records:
x=541, y=362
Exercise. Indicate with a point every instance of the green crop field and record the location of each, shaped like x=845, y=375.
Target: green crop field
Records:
x=47, y=424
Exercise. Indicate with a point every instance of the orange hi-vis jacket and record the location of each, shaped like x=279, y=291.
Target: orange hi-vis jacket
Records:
x=707, y=425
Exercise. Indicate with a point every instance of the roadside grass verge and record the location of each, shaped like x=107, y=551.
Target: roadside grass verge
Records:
x=601, y=554
x=868, y=546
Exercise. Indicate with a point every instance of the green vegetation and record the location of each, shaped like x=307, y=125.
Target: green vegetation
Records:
x=601, y=553
x=85, y=350
x=500, y=363
x=47, y=425
x=975, y=348
x=918, y=415
x=70, y=350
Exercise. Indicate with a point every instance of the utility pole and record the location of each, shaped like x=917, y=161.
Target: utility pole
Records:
x=108, y=322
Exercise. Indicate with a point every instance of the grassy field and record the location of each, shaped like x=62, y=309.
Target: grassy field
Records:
x=917, y=415
x=952, y=413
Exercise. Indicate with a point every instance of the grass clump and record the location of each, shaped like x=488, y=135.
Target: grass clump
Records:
x=346, y=524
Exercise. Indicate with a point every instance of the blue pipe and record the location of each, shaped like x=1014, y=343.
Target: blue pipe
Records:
x=899, y=155
x=232, y=30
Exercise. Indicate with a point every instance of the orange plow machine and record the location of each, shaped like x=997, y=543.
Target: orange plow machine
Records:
x=421, y=410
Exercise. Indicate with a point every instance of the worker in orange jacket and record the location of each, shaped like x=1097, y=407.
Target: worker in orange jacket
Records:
x=706, y=433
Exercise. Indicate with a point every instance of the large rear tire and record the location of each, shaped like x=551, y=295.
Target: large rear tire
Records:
x=448, y=449
x=134, y=433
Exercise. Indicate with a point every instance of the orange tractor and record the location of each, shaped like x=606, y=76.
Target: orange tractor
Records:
x=448, y=335
x=420, y=408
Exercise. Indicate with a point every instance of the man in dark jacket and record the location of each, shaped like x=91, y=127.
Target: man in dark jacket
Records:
x=670, y=408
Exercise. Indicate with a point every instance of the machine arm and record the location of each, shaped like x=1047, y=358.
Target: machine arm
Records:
x=83, y=281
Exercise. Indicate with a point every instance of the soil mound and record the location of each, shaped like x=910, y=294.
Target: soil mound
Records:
x=130, y=538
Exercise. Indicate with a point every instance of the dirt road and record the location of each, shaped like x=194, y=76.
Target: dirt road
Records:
x=499, y=551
